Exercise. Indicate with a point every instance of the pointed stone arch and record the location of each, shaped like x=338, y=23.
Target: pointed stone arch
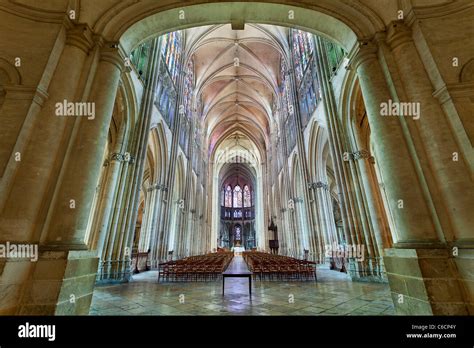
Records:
x=9, y=74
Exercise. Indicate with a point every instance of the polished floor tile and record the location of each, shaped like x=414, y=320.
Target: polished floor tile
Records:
x=333, y=294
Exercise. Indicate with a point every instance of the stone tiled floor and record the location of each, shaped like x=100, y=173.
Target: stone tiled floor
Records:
x=333, y=294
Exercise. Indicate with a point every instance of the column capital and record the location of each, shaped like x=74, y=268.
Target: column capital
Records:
x=362, y=154
x=398, y=34
x=367, y=51
x=19, y=92
x=111, y=52
x=121, y=157
x=118, y=157
x=316, y=185
x=40, y=96
x=158, y=187
x=453, y=91
x=80, y=35
x=380, y=37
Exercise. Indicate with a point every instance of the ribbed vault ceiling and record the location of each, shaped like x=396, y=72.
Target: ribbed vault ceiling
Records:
x=237, y=77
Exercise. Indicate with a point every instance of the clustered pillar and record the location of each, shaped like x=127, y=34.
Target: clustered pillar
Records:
x=419, y=237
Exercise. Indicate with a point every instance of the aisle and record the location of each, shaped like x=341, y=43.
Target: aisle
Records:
x=237, y=265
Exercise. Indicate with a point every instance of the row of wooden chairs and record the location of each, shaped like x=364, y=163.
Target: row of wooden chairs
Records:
x=276, y=267
x=195, y=268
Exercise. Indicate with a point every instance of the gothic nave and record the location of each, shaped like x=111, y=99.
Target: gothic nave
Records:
x=321, y=151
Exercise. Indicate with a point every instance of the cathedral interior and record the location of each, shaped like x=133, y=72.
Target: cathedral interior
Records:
x=317, y=156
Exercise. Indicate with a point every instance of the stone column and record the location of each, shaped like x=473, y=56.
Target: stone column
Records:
x=375, y=231
x=318, y=233
x=115, y=163
x=453, y=179
x=412, y=218
x=141, y=144
x=160, y=242
x=189, y=204
x=22, y=219
x=303, y=163
x=13, y=113
x=119, y=214
x=418, y=287
x=154, y=257
x=337, y=144
x=60, y=276
x=448, y=184
x=170, y=183
x=376, y=213
x=72, y=204
x=317, y=187
x=147, y=216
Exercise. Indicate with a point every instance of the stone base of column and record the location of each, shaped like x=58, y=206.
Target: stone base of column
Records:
x=427, y=282
x=114, y=272
x=369, y=270
x=13, y=273
x=465, y=265
x=61, y=283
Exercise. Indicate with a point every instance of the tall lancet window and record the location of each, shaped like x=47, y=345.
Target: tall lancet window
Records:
x=303, y=48
x=285, y=89
x=166, y=92
x=287, y=110
x=228, y=197
x=188, y=88
x=335, y=55
x=247, y=197
x=306, y=75
x=237, y=197
x=139, y=58
x=171, y=49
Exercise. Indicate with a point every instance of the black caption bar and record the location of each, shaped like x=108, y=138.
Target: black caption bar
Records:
x=170, y=330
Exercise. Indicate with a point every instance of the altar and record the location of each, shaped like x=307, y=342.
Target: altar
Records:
x=238, y=250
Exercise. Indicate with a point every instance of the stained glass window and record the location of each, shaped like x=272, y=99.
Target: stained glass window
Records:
x=287, y=109
x=184, y=132
x=171, y=49
x=335, y=55
x=247, y=198
x=238, y=234
x=308, y=88
x=290, y=127
x=165, y=95
x=284, y=90
x=188, y=88
x=237, y=197
x=303, y=48
x=228, y=197
x=139, y=59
